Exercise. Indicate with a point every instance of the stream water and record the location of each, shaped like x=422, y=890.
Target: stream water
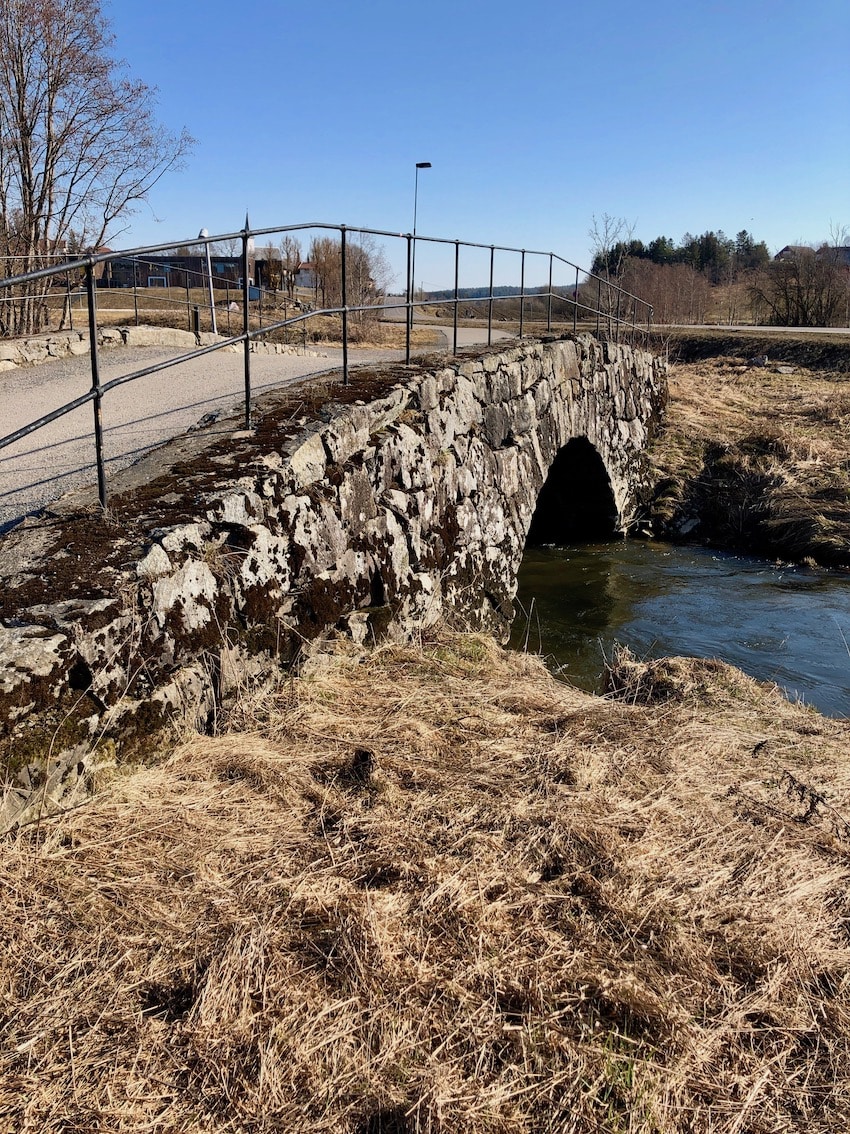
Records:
x=786, y=625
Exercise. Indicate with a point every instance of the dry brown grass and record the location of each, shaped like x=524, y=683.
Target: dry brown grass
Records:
x=432, y=889
x=761, y=459
x=327, y=329
x=170, y=307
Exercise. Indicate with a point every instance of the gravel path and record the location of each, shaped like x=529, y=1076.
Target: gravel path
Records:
x=136, y=417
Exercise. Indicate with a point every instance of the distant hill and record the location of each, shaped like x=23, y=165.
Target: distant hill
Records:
x=482, y=292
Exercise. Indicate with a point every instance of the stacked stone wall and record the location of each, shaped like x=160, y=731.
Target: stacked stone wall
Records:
x=381, y=518
x=16, y=353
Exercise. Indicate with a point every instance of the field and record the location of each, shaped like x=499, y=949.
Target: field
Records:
x=755, y=450
x=177, y=307
x=432, y=889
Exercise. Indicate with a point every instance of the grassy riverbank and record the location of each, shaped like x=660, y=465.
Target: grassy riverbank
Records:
x=433, y=889
x=757, y=457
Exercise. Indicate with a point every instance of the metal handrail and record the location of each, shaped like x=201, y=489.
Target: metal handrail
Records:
x=86, y=265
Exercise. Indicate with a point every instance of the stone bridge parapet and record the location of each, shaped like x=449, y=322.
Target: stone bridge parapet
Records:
x=381, y=516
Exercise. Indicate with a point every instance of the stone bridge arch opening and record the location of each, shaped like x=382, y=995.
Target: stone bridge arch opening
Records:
x=576, y=503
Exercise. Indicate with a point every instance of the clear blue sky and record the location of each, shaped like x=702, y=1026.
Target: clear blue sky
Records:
x=678, y=115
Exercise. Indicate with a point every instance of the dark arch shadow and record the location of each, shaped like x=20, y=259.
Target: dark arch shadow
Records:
x=576, y=503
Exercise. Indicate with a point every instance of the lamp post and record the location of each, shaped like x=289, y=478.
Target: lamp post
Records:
x=419, y=165
x=204, y=235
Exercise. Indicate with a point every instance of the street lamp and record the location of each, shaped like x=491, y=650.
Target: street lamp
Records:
x=419, y=165
x=204, y=235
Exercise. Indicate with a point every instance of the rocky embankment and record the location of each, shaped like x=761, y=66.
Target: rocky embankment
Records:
x=755, y=451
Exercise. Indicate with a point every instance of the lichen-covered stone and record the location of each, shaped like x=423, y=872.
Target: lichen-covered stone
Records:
x=308, y=460
x=154, y=564
x=27, y=652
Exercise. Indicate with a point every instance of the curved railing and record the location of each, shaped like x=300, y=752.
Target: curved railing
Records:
x=586, y=300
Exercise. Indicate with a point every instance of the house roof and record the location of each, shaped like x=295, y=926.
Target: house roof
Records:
x=840, y=252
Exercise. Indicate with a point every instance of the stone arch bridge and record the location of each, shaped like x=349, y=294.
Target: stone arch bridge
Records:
x=407, y=500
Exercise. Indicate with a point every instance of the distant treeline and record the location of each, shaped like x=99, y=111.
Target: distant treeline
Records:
x=717, y=256
x=707, y=278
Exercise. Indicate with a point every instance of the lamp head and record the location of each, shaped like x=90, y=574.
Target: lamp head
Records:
x=423, y=165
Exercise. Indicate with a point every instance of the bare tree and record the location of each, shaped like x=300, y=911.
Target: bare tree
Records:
x=290, y=255
x=369, y=276
x=325, y=258
x=678, y=293
x=839, y=239
x=79, y=145
x=807, y=287
x=232, y=247
x=610, y=237
x=272, y=267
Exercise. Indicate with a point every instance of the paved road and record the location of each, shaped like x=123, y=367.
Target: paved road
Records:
x=790, y=332
x=136, y=417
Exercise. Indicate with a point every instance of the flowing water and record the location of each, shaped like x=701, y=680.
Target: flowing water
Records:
x=788, y=625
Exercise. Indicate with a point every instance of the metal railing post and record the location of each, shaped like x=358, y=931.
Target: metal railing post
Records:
x=188, y=303
x=344, y=283
x=136, y=290
x=549, y=308
x=411, y=293
x=598, y=302
x=490, y=302
x=522, y=295
x=408, y=310
x=457, y=279
x=575, y=306
x=617, y=324
x=246, y=327
x=97, y=396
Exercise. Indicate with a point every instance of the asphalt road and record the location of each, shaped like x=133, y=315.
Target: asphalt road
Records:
x=136, y=417
x=750, y=329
